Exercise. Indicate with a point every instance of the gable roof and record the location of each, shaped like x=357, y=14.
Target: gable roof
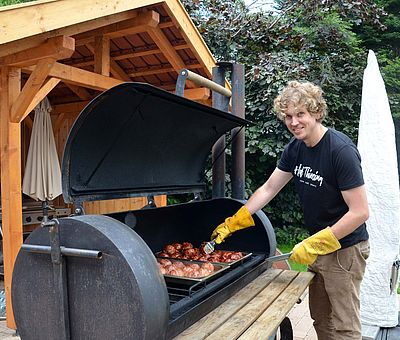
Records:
x=148, y=40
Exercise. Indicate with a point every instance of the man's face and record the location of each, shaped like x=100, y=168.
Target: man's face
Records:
x=301, y=123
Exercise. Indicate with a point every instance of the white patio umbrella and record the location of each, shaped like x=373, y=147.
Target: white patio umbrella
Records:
x=42, y=178
x=377, y=145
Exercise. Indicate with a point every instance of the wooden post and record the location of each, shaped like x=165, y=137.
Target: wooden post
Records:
x=102, y=55
x=11, y=196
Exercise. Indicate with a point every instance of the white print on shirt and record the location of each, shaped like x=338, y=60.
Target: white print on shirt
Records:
x=307, y=173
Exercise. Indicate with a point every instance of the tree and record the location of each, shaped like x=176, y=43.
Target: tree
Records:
x=307, y=40
x=386, y=44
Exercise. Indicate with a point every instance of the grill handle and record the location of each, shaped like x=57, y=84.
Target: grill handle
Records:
x=91, y=254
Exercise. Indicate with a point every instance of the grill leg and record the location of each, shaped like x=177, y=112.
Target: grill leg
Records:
x=285, y=331
x=60, y=281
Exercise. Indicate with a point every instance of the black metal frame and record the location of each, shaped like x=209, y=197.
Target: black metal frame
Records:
x=220, y=100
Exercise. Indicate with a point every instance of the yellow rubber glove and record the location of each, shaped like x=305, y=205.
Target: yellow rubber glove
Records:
x=322, y=243
x=242, y=219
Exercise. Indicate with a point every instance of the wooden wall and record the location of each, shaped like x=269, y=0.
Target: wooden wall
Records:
x=125, y=204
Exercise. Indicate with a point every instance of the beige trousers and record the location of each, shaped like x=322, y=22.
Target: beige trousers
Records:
x=334, y=294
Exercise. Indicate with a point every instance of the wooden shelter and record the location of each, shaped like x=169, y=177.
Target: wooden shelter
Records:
x=70, y=51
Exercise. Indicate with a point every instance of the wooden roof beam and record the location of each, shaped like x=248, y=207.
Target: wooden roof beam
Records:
x=200, y=93
x=135, y=25
x=28, y=122
x=87, y=61
x=31, y=87
x=158, y=70
x=57, y=48
x=43, y=92
x=81, y=92
x=69, y=107
x=40, y=16
x=33, y=41
x=165, y=46
x=144, y=52
x=77, y=76
x=116, y=70
x=151, y=71
x=181, y=19
x=102, y=55
x=168, y=50
x=137, y=54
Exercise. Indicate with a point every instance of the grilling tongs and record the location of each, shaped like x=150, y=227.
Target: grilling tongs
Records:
x=280, y=257
x=208, y=248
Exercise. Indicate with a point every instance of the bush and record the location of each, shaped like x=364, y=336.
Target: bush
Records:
x=290, y=235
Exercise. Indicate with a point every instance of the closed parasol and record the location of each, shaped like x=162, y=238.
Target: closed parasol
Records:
x=42, y=178
x=377, y=145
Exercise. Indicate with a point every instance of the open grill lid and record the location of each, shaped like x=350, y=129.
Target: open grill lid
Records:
x=137, y=140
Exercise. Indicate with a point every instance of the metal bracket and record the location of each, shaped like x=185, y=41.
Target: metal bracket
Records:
x=79, y=209
x=151, y=203
x=199, y=80
x=196, y=197
x=221, y=97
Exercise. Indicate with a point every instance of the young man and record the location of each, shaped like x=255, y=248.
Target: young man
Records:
x=326, y=168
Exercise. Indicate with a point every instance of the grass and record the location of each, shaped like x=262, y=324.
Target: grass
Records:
x=285, y=248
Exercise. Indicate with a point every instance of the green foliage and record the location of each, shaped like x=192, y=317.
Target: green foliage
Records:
x=386, y=44
x=12, y=2
x=332, y=58
x=297, y=267
x=290, y=236
x=307, y=40
x=355, y=12
x=391, y=74
x=284, y=248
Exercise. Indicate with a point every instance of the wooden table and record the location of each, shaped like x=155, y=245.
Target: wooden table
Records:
x=256, y=311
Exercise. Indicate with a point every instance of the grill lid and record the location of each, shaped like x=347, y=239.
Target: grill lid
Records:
x=137, y=140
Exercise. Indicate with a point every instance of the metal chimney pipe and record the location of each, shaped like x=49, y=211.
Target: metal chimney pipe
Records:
x=238, y=141
x=220, y=102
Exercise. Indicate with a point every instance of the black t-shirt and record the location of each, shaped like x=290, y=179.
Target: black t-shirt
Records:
x=320, y=173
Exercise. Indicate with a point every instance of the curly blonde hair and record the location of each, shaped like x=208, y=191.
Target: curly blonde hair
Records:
x=307, y=94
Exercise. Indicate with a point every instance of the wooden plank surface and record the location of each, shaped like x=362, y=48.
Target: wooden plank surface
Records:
x=271, y=318
x=255, y=312
x=209, y=323
x=244, y=318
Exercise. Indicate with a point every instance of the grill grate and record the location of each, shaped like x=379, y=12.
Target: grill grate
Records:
x=191, y=302
x=178, y=291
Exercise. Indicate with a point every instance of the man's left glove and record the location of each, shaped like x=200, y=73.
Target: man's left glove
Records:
x=242, y=219
x=322, y=243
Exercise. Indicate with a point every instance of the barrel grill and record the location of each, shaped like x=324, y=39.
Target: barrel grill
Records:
x=96, y=276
